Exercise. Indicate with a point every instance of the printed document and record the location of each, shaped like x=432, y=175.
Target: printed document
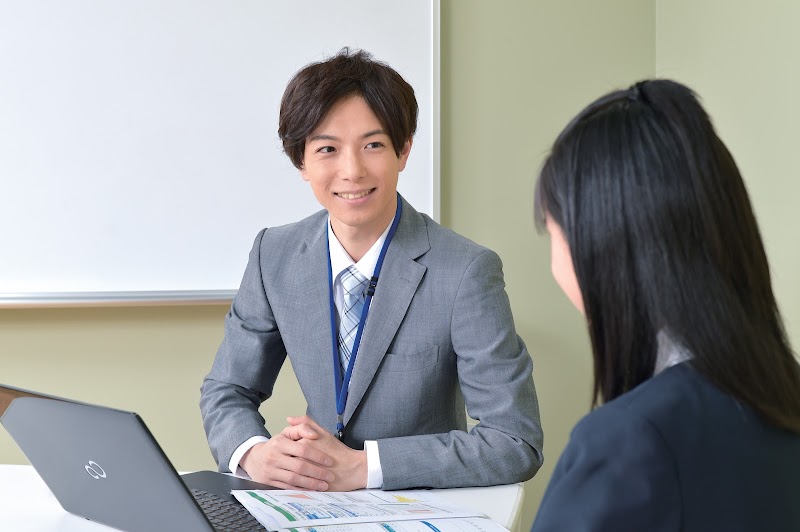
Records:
x=463, y=524
x=360, y=511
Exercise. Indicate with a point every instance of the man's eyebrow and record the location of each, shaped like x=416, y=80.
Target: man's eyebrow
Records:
x=373, y=133
x=323, y=136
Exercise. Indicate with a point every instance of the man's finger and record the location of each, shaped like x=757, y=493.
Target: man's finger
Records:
x=304, y=420
x=306, y=450
x=299, y=472
x=297, y=432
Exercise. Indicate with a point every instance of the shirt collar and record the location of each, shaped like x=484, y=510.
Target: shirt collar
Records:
x=670, y=352
x=340, y=260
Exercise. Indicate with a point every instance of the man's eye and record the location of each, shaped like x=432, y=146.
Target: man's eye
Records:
x=374, y=145
x=325, y=149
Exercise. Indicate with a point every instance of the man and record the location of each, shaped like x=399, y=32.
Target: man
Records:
x=392, y=323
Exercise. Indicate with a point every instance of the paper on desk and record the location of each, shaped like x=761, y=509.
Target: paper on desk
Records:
x=287, y=509
x=462, y=524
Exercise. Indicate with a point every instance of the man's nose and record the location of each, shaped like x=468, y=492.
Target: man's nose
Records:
x=353, y=165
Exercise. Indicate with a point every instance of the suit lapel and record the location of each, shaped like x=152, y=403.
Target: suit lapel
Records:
x=397, y=284
x=312, y=268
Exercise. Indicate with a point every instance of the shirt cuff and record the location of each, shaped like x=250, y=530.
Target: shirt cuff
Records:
x=374, y=471
x=233, y=465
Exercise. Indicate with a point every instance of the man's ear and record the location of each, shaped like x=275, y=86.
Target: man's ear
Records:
x=404, y=153
x=303, y=173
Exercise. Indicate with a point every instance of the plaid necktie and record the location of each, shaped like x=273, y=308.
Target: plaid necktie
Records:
x=354, y=285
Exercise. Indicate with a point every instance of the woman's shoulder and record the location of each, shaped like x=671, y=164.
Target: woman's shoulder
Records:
x=685, y=410
x=677, y=395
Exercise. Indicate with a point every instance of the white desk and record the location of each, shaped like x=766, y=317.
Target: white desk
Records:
x=26, y=505
x=499, y=503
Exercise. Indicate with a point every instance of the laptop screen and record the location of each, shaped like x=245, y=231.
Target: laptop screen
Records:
x=100, y=463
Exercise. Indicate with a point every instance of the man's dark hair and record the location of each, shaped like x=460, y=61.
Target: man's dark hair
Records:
x=663, y=238
x=316, y=88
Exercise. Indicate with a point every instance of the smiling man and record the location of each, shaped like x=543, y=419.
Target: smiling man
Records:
x=395, y=326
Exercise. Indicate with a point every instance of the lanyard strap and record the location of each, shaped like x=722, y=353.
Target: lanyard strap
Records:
x=342, y=385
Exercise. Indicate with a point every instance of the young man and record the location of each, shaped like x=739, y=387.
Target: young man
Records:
x=392, y=323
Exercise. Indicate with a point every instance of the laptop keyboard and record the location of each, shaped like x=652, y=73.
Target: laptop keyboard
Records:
x=226, y=516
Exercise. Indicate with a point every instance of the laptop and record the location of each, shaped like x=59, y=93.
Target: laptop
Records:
x=104, y=465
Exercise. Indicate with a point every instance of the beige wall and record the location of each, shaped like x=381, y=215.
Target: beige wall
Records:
x=147, y=359
x=513, y=73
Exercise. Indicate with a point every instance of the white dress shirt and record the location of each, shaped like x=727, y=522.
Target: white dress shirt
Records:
x=340, y=261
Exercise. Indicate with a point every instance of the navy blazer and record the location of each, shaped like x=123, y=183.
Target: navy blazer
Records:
x=675, y=453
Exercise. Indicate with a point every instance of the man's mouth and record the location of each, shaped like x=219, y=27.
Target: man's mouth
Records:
x=354, y=195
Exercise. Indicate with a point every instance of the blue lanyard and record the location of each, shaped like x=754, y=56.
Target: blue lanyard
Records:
x=342, y=385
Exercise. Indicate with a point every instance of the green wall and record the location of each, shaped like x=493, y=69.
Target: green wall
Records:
x=743, y=59
x=513, y=74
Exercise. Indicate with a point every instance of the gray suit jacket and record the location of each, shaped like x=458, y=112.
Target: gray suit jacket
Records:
x=439, y=336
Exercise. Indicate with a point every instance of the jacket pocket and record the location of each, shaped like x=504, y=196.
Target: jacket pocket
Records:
x=401, y=363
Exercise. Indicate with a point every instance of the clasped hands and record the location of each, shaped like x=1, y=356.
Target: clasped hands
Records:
x=304, y=456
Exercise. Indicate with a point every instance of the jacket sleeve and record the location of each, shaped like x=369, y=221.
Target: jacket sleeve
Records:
x=495, y=377
x=245, y=368
x=617, y=473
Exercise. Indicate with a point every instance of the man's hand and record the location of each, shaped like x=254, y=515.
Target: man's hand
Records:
x=291, y=463
x=349, y=466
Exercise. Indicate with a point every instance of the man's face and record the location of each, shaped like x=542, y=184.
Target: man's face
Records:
x=352, y=167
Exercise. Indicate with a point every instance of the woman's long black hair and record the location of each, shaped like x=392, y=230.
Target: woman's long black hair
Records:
x=663, y=238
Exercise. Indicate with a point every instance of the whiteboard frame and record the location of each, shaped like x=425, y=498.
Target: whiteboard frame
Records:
x=218, y=297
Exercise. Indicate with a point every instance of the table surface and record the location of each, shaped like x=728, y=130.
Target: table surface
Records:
x=26, y=505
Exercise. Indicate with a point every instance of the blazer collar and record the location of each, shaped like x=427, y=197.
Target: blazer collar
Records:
x=397, y=284
x=412, y=232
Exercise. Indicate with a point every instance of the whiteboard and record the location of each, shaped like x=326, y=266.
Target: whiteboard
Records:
x=139, y=153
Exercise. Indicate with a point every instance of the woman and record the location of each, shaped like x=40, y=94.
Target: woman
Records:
x=653, y=238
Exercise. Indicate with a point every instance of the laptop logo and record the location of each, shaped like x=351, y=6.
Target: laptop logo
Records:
x=94, y=470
